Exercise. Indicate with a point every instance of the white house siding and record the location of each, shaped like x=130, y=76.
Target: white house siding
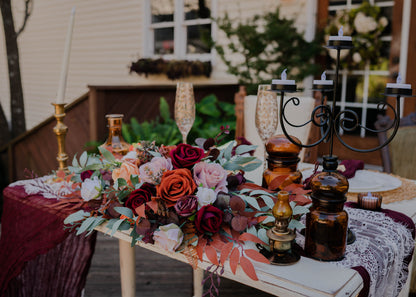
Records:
x=107, y=37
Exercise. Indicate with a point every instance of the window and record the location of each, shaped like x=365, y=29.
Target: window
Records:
x=360, y=89
x=178, y=29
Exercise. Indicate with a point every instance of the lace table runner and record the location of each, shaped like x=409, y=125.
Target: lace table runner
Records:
x=45, y=186
x=381, y=246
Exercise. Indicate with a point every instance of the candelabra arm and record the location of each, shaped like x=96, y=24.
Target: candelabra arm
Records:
x=60, y=131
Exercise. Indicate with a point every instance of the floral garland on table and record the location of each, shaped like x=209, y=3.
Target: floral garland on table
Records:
x=365, y=24
x=187, y=199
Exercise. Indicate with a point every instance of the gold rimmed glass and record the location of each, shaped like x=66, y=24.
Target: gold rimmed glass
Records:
x=184, y=108
x=266, y=114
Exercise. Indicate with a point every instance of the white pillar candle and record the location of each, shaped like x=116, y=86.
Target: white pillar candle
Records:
x=65, y=63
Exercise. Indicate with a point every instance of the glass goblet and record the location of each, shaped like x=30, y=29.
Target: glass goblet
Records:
x=184, y=108
x=266, y=115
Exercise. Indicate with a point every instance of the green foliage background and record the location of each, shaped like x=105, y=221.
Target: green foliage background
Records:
x=211, y=114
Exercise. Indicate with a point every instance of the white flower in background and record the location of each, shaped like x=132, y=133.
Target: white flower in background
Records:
x=205, y=196
x=343, y=54
x=364, y=24
x=356, y=57
x=168, y=237
x=91, y=188
x=130, y=155
x=383, y=21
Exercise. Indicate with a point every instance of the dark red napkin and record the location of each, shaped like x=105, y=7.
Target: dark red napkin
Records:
x=351, y=166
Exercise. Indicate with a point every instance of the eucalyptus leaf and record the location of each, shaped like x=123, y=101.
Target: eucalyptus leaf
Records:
x=298, y=209
x=268, y=200
x=121, y=182
x=269, y=219
x=76, y=216
x=75, y=161
x=125, y=225
x=295, y=224
x=111, y=223
x=228, y=150
x=155, y=154
x=86, y=225
x=116, y=226
x=252, y=230
x=252, y=166
x=83, y=159
x=135, y=237
x=242, y=149
x=97, y=222
x=262, y=234
x=124, y=211
x=252, y=201
x=107, y=154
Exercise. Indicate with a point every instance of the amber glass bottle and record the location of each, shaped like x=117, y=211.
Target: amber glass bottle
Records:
x=327, y=221
x=282, y=161
x=115, y=142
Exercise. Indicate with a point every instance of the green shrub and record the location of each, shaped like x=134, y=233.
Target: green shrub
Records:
x=211, y=114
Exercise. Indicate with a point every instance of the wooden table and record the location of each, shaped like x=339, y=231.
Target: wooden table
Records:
x=305, y=278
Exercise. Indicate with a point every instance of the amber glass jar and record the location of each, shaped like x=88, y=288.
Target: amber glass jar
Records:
x=115, y=142
x=282, y=161
x=327, y=221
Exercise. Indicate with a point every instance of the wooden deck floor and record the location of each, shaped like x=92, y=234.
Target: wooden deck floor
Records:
x=156, y=275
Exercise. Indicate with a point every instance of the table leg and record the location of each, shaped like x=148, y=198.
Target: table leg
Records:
x=127, y=268
x=198, y=277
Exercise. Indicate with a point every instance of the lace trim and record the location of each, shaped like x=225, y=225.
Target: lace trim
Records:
x=46, y=187
x=380, y=247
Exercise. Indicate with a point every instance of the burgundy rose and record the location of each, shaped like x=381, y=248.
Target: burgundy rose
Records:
x=186, y=205
x=185, y=156
x=138, y=197
x=86, y=174
x=209, y=219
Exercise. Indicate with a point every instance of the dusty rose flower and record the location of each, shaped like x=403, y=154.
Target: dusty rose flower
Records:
x=185, y=156
x=209, y=219
x=211, y=175
x=169, y=237
x=186, y=205
x=140, y=196
x=205, y=197
x=152, y=171
x=125, y=171
x=175, y=184
x=91, y=188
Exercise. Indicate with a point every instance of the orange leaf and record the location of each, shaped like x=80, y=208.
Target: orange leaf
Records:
x=153, y=205
x=200, y=247
x=261, y=219
x=217, y=243
x=60, y=174
x=234, y=258
x=141, y=211
x=275, y=183
x=211, y=254
x=256, y=256
x=250, y=237
x=225, y=251
x=248, y=268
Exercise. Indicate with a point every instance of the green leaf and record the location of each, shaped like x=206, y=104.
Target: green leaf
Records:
x=115, y=227
x=124, y=211
x=86, y=225
x=164, y=109
x=295, y=224
x=83, y=159
x=299, y=209
x=121, y=182
x=242, y=149
x=135, y=237
x=98, y=221
x=107, y=154
x=269, y=219
x=252, y=166
x=111, y=223
x=76, y=216
x=262, y=234
x=252, y=201
x=75, y=161
x=125, y=225
x=134, y=180
x=268, y=200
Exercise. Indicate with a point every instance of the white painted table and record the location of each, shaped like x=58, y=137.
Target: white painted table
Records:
x=306, y=278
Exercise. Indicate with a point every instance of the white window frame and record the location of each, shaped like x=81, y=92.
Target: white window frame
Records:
x=179, y=26
x=366, y=73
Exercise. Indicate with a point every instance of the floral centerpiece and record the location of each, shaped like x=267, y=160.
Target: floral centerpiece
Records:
x=187, y=199
x=365, y=24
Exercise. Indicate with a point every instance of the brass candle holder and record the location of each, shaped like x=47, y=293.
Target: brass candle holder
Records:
x=60, y=131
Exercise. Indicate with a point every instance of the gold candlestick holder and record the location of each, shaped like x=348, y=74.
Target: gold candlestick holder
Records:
x=60, y=131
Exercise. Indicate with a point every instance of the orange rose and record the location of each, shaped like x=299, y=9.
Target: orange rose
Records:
x=174, y=185
x=125, y=171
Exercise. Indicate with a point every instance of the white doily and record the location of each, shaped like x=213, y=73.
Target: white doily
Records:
x=46, y=187
x=380, y=247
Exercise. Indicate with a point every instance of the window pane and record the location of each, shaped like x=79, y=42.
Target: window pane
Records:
x=162, y=10
x=197, y=9
x=164, y=41
x=197, y=37
x=388, y=13
x=337, y=2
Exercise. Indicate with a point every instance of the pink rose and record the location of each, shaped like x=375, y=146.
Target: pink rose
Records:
x=125, y=171
x=169, y=237
x=152, y=171
x=211, y=175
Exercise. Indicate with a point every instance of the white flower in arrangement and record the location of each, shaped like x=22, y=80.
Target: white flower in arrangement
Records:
x=130, y=155
x=364, y=24
x=205, y=196
x=152, y=171
x=383, y=21
x=356, y=57
x=168, y=237
x=91, y=188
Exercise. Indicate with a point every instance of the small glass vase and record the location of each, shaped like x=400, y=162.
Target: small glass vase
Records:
x=115, y=142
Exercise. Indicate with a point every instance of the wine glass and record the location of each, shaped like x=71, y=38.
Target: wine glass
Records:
x=184, y=108
x=266, y=115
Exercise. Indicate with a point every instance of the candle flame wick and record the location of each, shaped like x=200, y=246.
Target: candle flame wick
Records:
x=399, y=79
x=284, y=75
x=323, y=76
x=340, y=32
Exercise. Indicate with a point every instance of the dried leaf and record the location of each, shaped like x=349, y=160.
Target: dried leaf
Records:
x=250, y=237
x=275, y=183
x=227, y=229
x=256, y=256
x=239, y=223
x=217, y=242
x=237, y=204
x=200, y=247
x=225, y=252
x=153, y=205
x=141, y=211
x=248, y=268
x=234, y=259
x=191, y=255
x=60, y=174
x=211, y=254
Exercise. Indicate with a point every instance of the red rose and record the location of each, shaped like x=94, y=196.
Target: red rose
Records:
x=86, y=174
x=185, y=156
x=138, y=197
x=209, y=219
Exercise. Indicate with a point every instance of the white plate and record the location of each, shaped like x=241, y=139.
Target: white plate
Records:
x=366, y=181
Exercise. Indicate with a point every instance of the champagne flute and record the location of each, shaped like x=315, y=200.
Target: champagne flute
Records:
x=266, y=115
x=184, y=108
